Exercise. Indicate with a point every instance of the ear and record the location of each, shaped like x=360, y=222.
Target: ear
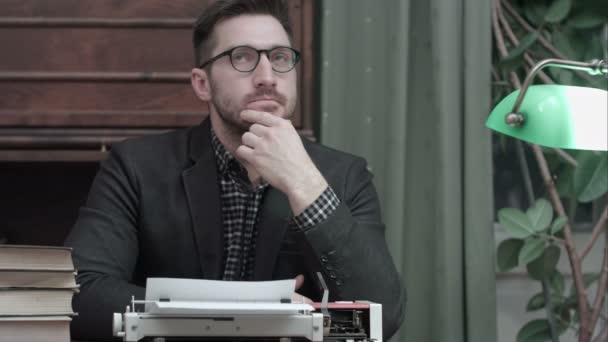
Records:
x=200, y=84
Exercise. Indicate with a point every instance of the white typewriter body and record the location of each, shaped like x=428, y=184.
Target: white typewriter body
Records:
x=179, y=312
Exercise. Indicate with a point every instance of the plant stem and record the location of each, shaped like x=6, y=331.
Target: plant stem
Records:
x=575, y=261
x=515, y=41
x=529, y=28
x=500, y=42
x=549, y=309
x=602, y=286
x=525, y=171
x=596, y=232
x=496, y=11
x=495, y=74
x=565, y=156
x=544, y=42
x=553, y=238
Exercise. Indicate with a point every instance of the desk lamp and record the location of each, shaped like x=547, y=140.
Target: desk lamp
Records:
x=552, y=115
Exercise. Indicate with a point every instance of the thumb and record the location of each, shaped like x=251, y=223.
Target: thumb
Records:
x=299, y=281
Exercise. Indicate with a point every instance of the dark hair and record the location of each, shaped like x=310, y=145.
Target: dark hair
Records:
x=224, y=9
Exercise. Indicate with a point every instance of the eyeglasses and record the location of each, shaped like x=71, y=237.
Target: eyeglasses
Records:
x=246, y=58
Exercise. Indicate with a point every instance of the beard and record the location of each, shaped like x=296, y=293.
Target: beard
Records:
x=228, y=108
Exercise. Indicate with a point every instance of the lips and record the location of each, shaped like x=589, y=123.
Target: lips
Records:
x=263, y=105
x=263, y=99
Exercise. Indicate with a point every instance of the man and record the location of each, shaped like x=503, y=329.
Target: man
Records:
x=240, y=197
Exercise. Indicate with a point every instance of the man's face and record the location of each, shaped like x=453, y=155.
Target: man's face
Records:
x=262, y=89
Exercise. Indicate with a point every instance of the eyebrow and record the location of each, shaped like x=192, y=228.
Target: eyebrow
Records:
x=274, y=46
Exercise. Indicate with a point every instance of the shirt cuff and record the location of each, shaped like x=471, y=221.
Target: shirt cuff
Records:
x=318, y=211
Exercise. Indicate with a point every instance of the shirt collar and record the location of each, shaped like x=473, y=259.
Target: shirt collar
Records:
x=223, y=158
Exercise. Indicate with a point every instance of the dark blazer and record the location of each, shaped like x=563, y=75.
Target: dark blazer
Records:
x=154, y=211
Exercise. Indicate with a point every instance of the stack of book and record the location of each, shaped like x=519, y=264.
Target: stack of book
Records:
x=36, y=288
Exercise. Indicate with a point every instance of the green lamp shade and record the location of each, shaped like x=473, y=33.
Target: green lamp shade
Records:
x=557, y=116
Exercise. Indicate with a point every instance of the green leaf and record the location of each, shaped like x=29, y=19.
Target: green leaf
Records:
x=535, y=11
x=544, y=266
x=507, y=255
x=532, y=249
x=508, y=65
x=570, y=42
x=537, y=301
x=558, y=11
x=515, y=222
x=523, y=45
x=534, y=331
x=576, y=317
x=564, y=323
x=540, y=215
x=558, y=224
x=591, y=176
x=562, y=42
x=565, y=182
x=585, y=20
x=590, y=278
x=562, y=76
x=595, y=51
x=565, y=318
x=557, y=283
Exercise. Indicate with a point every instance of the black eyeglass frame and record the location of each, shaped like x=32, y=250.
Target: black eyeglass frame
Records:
x=259, y=52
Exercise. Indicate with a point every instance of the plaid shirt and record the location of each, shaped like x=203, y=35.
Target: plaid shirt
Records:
x=240, y=204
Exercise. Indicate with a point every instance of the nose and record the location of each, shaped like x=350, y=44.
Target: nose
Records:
x=263, y=75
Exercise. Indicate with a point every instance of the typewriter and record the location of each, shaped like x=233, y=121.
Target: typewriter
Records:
x=177, y=316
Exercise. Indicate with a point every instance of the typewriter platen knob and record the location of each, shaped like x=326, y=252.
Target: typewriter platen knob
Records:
x=117, y=326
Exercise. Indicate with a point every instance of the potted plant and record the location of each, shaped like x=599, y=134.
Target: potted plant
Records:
x=524, y=33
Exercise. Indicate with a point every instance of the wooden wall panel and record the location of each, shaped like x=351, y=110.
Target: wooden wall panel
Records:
x=98, y=118
x=96, y=49
x=66, y=58
x=103, y=8
x=80, y=95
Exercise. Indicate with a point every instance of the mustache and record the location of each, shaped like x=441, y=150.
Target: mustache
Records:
x=266, y=93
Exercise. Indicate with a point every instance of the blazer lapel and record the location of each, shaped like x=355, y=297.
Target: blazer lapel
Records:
x=275, y=215
x=202, y=190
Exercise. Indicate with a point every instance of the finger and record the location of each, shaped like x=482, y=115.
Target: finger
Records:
x=262, y=118
x=258, y=130
x=245, y=153
x=250, y=139
x=298, y=298
x=299, y=281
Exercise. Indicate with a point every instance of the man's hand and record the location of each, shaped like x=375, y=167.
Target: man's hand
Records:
x=298, y=298
x=274, y=149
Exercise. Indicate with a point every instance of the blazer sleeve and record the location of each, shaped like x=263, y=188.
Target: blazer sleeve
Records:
x=105, y=248
x=350, y=250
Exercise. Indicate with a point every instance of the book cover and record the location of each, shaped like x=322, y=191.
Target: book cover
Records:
x=32, y=302
x=20, y=257
x=37, y=279
x=35, y=329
